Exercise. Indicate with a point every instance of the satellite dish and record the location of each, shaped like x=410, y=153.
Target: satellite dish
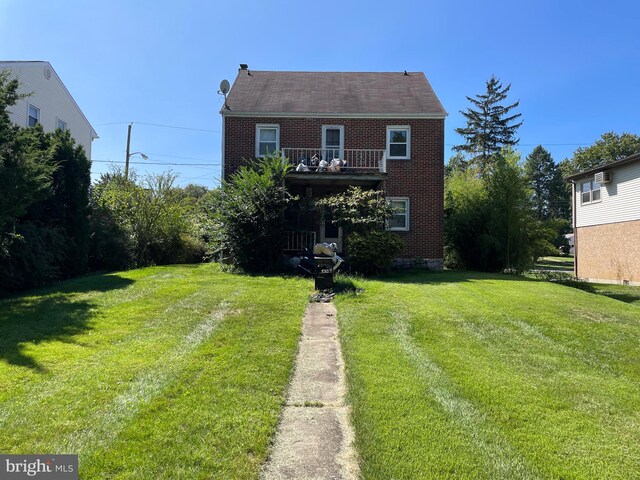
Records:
x=224, y=87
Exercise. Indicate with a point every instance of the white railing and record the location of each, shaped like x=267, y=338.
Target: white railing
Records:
x=353, y=160
x=296, y=241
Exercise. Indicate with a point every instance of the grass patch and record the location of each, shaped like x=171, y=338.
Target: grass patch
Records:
x=623, y=293
x=165, y=372
x=470, y=375
x=563, y=264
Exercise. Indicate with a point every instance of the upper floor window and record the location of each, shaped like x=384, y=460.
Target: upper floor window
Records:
x=399, y=221
x=267, y=139
x=61, y=124
x=332, y=142
x=399, y=142
x=590, y=192
x=33, y=115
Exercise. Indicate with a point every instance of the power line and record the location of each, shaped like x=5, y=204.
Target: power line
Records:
x=535, y=144
x=161, y=163
x=178, y=127
x=176, y=156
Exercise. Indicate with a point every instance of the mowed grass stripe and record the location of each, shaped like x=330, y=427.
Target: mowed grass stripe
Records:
x=561, y=394
x=105, y=424
x=172, y=311
x=191, y=350
x=217, y=416
x=500, y=460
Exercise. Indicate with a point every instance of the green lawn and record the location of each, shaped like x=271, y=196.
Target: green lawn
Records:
x=624, y=293
x=562, y=264
x=469, y=375
x=167, y=372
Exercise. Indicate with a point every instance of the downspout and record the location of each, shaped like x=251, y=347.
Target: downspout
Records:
x=575, y=230
x=222, y=153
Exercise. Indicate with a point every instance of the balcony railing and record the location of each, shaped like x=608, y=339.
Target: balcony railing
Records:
x=297, y=241
x=352, y=160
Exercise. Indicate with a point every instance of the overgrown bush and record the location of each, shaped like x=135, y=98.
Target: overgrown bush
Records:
x=362, y=214
x=489, y=220
x=372, y=253
x=249, y=215
x=151, y=219
x=33, y=258
x=562, y=278
x=356, y=210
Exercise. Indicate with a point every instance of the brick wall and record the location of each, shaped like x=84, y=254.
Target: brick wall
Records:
x=609, y=252
x=421, y=178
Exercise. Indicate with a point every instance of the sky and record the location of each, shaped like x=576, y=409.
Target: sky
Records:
x=573, y=65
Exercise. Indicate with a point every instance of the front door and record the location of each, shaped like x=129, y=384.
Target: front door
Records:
x=332, y=142
x=330, y=233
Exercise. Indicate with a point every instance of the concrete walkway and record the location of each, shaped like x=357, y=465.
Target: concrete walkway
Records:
x=315, y=439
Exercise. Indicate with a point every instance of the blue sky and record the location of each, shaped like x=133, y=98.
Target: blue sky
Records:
x=574, y=66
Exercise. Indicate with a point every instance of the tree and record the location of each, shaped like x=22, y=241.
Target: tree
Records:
x=26, y=165
x=362, y=214
x=490, y=126
x=489, y=222
x=456, y=163
x=356, y=210
x=67, y=205
x=609, y=148
x=150, y=212
x=251, y=215
x=549, y=193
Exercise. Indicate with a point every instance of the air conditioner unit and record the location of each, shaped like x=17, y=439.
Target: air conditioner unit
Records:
x=602, y=177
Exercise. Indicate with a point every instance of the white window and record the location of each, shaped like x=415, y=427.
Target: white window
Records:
x=34, y=116
x=267, y=139
x=61, y=124
x=590, y=192
x=399, y=221
x=398, y=142
x=332, y=142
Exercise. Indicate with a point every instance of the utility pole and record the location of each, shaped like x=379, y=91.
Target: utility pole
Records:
x=126, y=164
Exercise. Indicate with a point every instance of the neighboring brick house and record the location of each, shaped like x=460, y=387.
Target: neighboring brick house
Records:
x=606, y=222
x=48, y=103
x=387, y=127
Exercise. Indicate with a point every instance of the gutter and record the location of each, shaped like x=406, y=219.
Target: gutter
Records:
x=575, y=230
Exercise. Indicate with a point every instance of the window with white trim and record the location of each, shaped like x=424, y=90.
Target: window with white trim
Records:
x=33, y=115
x=332, y=142
x=61, y=124
x=267, y=139
x=399, y=220
x=590, y=192
x=398, y=142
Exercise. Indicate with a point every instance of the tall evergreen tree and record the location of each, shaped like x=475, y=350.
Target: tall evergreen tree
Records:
x=490, y=125
x=549, y=195
x=67, y=206
x=25, y=169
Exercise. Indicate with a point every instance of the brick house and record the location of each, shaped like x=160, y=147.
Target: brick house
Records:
x=387, y=128
x=606, y=222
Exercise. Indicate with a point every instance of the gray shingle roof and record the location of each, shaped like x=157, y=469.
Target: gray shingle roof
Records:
x=363, y=93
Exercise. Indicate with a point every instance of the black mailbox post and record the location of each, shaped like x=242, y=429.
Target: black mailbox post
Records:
x=324, y=272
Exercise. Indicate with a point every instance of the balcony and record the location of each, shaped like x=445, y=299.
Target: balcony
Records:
x=316, y=165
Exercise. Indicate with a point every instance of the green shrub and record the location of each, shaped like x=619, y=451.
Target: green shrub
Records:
x=373, y=253
x=250, y=215
x=562, y=278
x=33, y=258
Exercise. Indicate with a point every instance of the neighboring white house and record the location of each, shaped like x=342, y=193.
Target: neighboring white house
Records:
x=606, y=222
x=49, y=104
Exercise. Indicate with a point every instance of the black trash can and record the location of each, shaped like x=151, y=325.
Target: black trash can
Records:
x=324, y=273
